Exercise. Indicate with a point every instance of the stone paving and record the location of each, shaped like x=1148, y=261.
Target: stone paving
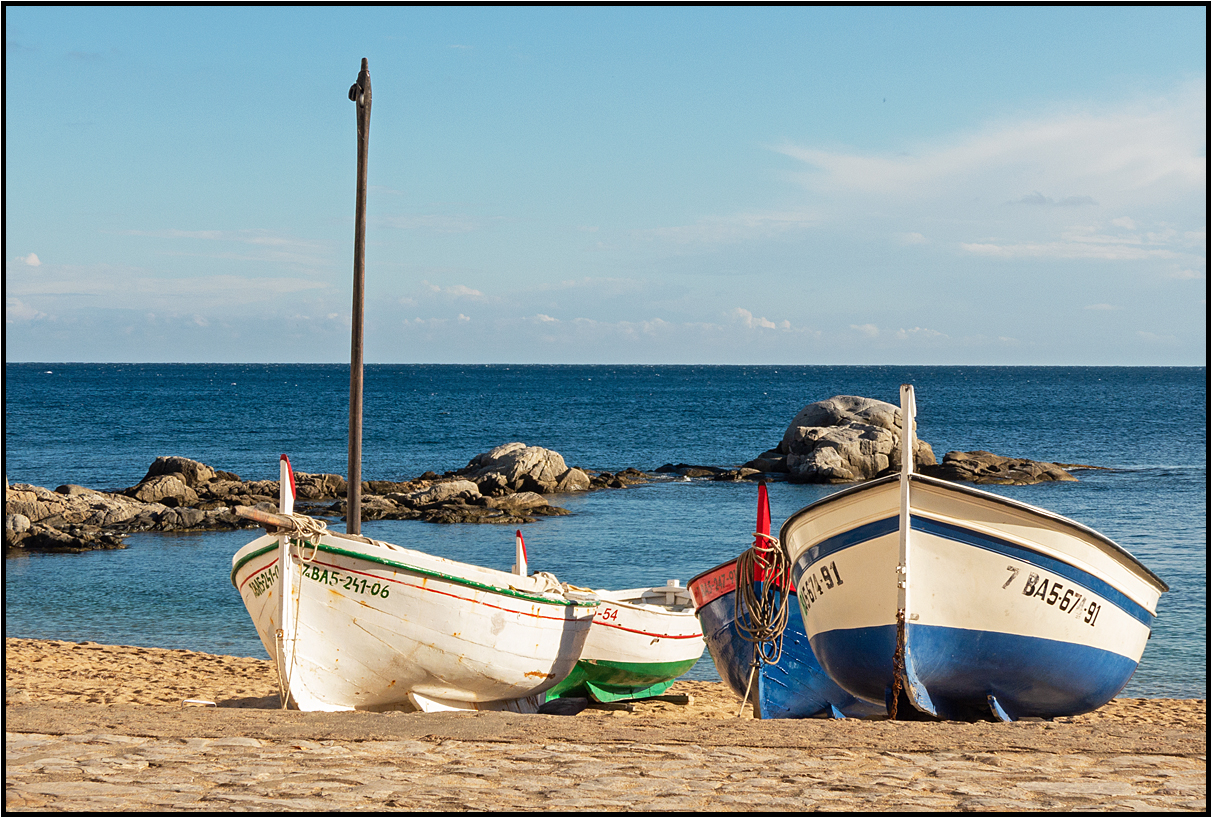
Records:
x=100, y=772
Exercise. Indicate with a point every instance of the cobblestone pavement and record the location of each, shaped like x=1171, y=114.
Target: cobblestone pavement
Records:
x=181, y=761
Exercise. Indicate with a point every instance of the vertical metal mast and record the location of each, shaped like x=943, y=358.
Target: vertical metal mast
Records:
x=359, y=93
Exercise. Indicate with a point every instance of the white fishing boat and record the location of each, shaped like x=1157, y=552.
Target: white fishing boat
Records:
x=940, y=599
x=642, y=639
x=358, y=624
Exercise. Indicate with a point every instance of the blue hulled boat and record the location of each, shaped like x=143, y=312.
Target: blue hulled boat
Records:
x=949, y=602
x=793, y=686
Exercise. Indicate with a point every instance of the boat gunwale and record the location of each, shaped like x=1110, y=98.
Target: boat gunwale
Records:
x=1117, y=549
x=637, y=603
x=470, y=583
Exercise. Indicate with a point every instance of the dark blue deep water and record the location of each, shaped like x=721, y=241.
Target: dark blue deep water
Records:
x=101, y=426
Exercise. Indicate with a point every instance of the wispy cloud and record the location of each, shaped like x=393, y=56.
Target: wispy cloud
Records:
x=274, y=247
x=31, y=260
x=1091, y=242
x=735, y=228
x=917, y=334
x=432, y=223
x=454, y=290
x=1185, y=275
x=1093, y=155
x=129, y=288
x=17, y=311
x=746, y=318
x=1038, y=198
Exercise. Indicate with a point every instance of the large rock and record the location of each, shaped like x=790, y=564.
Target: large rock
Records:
x=439, y=493
x=573, y=480
x=91, y=508
x=845, y=439
x=190, y=472
x=16, y=527
x=166, y=489
x=520, y=467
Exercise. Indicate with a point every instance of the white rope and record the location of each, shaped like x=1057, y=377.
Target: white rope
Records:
x=308, y=530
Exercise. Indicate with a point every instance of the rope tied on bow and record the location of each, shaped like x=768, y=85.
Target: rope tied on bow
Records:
x=763, y=574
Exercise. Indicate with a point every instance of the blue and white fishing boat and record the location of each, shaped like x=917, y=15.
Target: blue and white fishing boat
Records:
x=936, y=598
x=764, y=656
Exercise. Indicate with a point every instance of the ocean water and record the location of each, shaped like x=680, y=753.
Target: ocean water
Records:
x=101, y=426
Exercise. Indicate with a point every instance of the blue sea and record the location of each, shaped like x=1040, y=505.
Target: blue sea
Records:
x=101, y=426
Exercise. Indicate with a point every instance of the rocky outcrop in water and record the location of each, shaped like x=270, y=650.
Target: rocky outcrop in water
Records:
x=506, y=485
x=848, y=439
x=993, y=469
x=518, y=467
x=841, y=440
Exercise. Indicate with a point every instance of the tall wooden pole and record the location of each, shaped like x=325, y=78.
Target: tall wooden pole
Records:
x=359, y=93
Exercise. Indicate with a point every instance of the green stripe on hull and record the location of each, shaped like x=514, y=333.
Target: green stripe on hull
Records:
x=412, y=569
x=615, y=681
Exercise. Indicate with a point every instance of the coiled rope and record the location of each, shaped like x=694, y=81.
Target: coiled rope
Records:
x=761, y=615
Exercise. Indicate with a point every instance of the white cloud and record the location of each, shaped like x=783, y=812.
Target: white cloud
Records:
x=1084, y=242
x=869, y=330
x=16, y=311
x=32, y=260
x=744, y=316
x=917, y=333
x=912, y=238
x=1071, y=176
x=1101, y=155
x=1038, y=198
x=277, y=248
x=454, y=291
x=1185, y=275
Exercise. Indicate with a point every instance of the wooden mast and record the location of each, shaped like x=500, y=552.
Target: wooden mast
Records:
x=359, y=93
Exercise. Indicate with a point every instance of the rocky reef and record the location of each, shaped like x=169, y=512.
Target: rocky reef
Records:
x=507, y=485
x=843, y=439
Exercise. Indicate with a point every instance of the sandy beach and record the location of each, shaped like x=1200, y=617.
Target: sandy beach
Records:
x=100, y=727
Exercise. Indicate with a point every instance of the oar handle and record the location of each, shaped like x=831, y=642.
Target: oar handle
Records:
x=265, y=518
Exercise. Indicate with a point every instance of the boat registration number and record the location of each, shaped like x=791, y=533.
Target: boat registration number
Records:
x=814, y=585
x=1051, y=591
x=608, y=614
x=263, y=581
x=339, y=579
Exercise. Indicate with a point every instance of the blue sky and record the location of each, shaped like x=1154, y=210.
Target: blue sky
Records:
x=853, y=185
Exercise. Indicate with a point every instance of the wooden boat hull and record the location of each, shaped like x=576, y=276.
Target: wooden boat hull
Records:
x=1008, y=610
x=372, y=626
x=641, y=641
x=796, y=687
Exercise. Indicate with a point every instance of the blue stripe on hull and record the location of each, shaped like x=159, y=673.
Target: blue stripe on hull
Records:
x=961, y=668
x=967, y=536
x=796, y=687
